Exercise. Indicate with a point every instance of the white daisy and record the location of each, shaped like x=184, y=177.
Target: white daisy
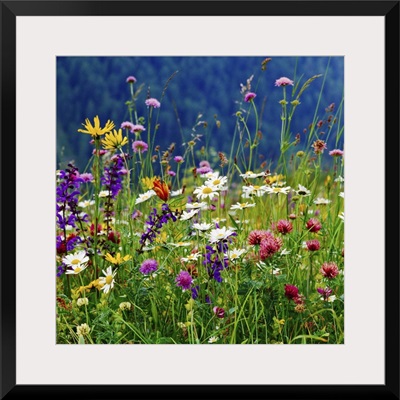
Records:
x=191, y=257
x=108, y=280
x=188, y=215
x=77, y=259
x=321, y=200
x=341, y=194
x=251, y=174
x=202, y=227
x=218, y=220
x=204, y=191
x=219, y=183
x=174, y=193
x=202, y=206
x=213, y=339
x=241, y=206
x=145, y=196
x=105, y=193
x=76, y=269
x=235, y=254
x=210, y=175
x=253, y=190
x=85, y=203
x=339, y=179
x=303, y=191
x=219, y=234
x=277, y=190
x=181, y=244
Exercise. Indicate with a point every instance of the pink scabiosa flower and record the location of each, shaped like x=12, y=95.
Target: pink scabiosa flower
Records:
x=329, y=270
x=204, y=163
x=184, y=280
x=283, y=81
x=130, y=79
x=336, y=153
x=313, y=245
x=171, y=173
x=138, y=146
x=313, y=225
x=136, y=129
x=148, y=266
x=249, y=96
x=127, y=125
x=87, y=177
x=152, y=102
x=178, y=159
x=292, y=216
x=284, y=227
x=203, y=170
x=219, y=312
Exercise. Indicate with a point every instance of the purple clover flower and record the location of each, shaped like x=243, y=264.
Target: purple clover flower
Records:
x=148, y=266
x=184, y=280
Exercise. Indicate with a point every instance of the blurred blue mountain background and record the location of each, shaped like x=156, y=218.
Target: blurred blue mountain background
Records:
x=195, y=89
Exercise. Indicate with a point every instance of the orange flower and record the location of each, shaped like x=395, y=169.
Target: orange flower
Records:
x=161, y=189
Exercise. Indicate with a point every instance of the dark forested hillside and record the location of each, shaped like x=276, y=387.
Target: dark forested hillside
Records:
x=192, y=89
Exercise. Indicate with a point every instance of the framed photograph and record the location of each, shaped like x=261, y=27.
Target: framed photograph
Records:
x=200, y=197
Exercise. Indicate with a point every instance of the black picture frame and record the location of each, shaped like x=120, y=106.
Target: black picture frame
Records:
x=12, y=9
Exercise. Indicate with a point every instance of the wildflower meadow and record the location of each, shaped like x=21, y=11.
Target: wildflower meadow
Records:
x=188, y=243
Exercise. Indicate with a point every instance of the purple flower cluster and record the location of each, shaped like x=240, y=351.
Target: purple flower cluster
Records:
x=214, y=262
x=148, y=266
x=155, y=222
x=112, y=177
x=67, y=193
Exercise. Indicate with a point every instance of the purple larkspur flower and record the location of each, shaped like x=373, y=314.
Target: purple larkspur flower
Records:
x=148, y=266
x=184, y=280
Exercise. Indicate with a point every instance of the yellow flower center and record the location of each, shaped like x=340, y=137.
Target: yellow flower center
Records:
x=75, y=261
x=256, y=187
x=234, y=255
x=243, y=204
x=216, y=182
x=207, y=190
x=77, y=270
x=276, y=189
x=109, y=279
x=249, y=172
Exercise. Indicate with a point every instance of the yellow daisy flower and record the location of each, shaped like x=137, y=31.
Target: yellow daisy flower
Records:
x=114, y=140
x=117, y=259
x=97, y=130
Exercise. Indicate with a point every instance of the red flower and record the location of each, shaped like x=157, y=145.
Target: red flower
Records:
x=313, y=225
x=329, y=270
x=161, y=189
x=283, y=226
x=313, y=245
